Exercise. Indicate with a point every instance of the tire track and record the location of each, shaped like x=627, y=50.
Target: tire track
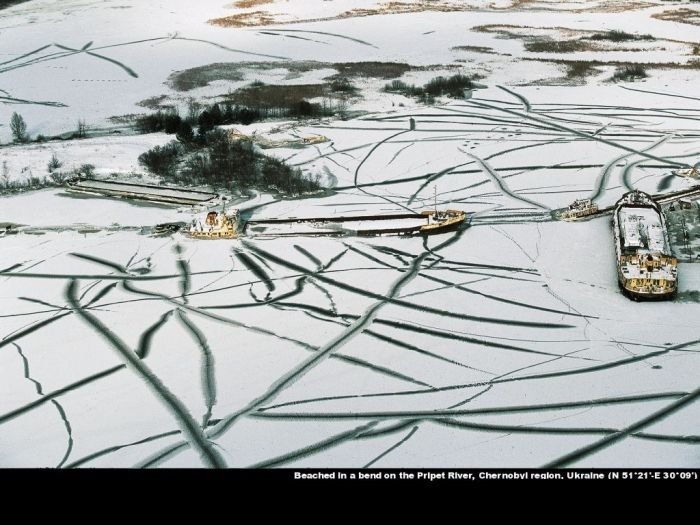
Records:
x=184, y=269
x=607, y=441
x=501, y=184
x=116, y=448
x=393, y=447
x=256, y=270
x=462, y=338
x=506, y=301
x=24, y=409
x=525, y=102
x=435, y=177
x=388, y=430
x=573, y=131
x=602, y=180
x=439, y=414
x=59, y=408
x=84, y=50
x=351, y=39
x=30, y=329
x=367, y=156
x=355, y=328
x=413, y=348
x=658, y=93
x=320, y=446
x=626, y=177
x=522, y=429
x=546, y=375
x=342, y=319
x=395, y=301
x=144, y=345
x=207, y=369
x=98, y=277
x=190, y=429
x=266, y=332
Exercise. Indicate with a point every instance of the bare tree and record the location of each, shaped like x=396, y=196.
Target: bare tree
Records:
x=82, y=129
x=18, y=128
x=194, y=108
x=5, y=175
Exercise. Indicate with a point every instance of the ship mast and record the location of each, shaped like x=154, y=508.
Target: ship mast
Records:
x=435, y=192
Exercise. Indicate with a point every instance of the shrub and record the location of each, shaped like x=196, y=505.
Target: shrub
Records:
x=288, y=100
x=384, y=70
x=57, y=177
x=54, y=163
x=171, y=122
x=398, y=86
x=616, y=35
x=223, y=162
x=453, y=86
x=185, y=133
x=303, y=108
x=556, y=46
x=161, y=160
x=629, y=72
x=85, y=170
x=579, y=69
x=342, y=85
x=167, y=121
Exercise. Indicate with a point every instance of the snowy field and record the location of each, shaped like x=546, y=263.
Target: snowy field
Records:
x=504, y=344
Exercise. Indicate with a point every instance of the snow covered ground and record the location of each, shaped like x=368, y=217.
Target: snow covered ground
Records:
x=505, y=344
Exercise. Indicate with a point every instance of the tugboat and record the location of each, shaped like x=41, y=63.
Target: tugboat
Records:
x=216, y=225
x=578, y=209
x=645, y=268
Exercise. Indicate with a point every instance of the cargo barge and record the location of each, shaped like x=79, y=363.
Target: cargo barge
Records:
x=428, y=222
x=645, y=267
x=228, y=225
x=148, y=192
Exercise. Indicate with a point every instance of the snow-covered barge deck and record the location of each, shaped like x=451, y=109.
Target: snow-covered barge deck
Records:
x=425, y=223
x=153, y=193
x=645, y=267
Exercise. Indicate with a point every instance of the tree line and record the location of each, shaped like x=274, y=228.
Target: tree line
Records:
x=216, y=159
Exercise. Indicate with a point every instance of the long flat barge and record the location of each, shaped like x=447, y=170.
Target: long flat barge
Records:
x=148, y=192
x=425, y=223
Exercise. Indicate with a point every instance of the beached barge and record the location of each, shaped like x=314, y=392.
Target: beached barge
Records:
x=428, y=222
x=223, y=225
x=148, y=192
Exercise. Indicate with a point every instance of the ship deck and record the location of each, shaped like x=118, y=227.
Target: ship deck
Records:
x=642, y=230
x=644, y=245
x=141, y=191
x=377, y=226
